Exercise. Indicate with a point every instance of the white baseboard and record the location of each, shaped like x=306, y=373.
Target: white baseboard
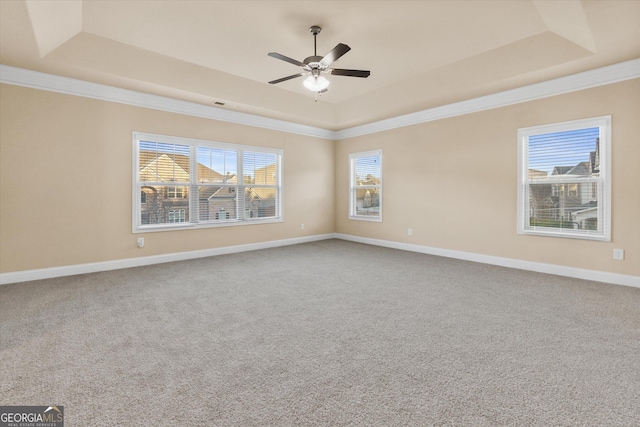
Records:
x=578, y=273
x=559, y=270
x=71, y=270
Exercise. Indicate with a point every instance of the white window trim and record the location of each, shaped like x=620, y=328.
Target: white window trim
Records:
x=604, y=190
x=352, y=175
x=136, y=202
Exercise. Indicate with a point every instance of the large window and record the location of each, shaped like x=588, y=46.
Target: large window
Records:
x=183, y=183
x=365, y=198
x=564, y=186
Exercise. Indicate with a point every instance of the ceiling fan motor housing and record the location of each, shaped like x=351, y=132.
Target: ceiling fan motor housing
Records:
x=314, y=65
x=312, y=59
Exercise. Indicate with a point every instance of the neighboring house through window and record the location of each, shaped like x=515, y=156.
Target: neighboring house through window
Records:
x=564, y=186
x=182, y=182
x=365, y=189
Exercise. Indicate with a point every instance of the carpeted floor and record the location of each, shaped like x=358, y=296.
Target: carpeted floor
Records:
x=330, y=333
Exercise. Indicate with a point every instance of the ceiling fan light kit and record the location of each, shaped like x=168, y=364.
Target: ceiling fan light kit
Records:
x=316, y=83
x=314, y=66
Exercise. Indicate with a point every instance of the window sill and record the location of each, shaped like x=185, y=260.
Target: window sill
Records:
x=365, y=218
x=212, y=224
x=549, y=232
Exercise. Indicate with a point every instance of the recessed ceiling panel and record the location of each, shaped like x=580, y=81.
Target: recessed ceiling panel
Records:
x=421, y=53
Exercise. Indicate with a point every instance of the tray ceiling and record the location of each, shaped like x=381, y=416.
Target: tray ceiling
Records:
x=422, y=54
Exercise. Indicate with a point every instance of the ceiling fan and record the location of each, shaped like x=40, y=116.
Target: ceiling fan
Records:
x=314, y=66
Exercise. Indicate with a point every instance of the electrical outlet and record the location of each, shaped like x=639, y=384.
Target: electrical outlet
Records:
x=618, y=254
x=301, y=226
x=410, y=232
x=140, y=242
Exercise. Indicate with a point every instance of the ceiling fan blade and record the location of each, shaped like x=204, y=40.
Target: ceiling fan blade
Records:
x=286, y=59
x=350, y=73
x=335, y=54
x=284, y=79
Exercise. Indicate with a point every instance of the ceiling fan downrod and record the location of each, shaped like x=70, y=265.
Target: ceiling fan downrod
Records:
x=315, y=30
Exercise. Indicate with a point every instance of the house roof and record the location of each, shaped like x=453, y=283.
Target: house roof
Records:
x=265, y=195
x=175, y=168
x=561, y=170
x=581, y=168
x=422, y=54
x=163, y=168
x=223, y=193
x=534, y=173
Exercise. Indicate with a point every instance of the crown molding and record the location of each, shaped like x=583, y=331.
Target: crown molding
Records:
x=588, y=79
x=49, y=82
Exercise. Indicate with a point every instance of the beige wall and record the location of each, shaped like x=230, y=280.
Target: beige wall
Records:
x=65, y=181
x=453, y=181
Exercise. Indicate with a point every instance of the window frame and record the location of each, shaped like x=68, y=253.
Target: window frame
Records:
x=352, y=187
x=190, y=189
x=603, y=181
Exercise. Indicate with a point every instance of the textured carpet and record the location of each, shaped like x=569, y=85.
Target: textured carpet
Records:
x=330, y=333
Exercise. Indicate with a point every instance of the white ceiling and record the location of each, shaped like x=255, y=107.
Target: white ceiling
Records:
x=421, y=54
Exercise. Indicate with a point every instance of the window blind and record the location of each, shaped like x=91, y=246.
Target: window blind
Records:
x=366, y=185
x=564, y=173
x=203, y=183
